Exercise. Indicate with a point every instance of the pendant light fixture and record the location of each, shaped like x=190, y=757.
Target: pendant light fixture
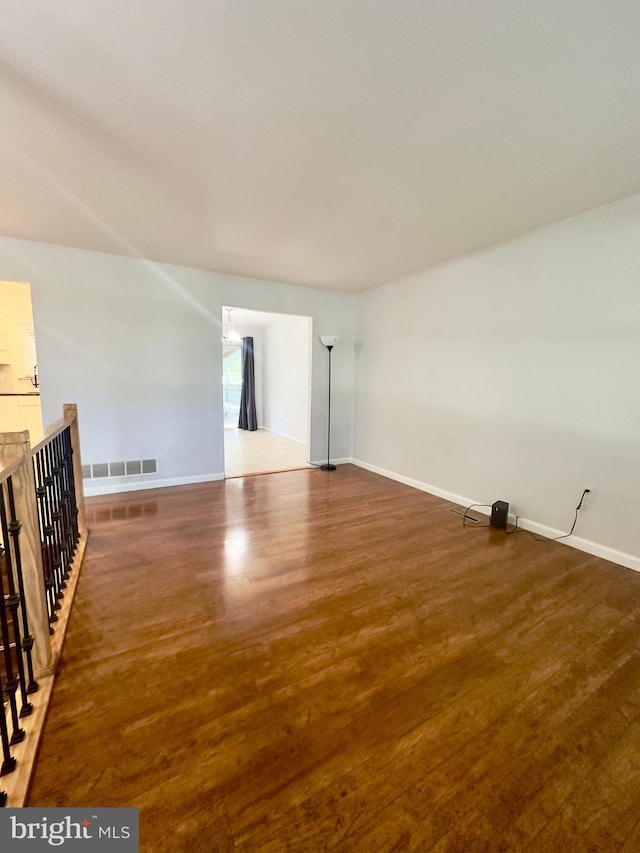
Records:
x=229, y=334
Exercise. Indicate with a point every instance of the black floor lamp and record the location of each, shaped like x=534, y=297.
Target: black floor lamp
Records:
x=329, y=341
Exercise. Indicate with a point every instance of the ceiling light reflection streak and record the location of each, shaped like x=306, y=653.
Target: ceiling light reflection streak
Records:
x=128, y=249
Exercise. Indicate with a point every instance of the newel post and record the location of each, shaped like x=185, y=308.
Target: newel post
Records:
x=70, y=413
x=15, y=446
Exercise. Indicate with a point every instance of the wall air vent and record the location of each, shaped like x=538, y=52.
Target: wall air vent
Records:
x=119, y=469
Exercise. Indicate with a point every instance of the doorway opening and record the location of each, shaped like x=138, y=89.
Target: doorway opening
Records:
x=282, y=386
x=231, y=383
x=19, y=383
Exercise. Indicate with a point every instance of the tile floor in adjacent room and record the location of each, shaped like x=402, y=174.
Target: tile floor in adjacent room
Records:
x=260, y=452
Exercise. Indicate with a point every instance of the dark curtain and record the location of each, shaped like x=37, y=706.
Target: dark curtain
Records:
x=247, y=418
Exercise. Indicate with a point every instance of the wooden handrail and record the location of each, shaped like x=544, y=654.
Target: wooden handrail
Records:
x=51, y=432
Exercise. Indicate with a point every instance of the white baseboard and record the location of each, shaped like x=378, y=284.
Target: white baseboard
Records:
x=92, y=489
x=284, y=435
x=415, y=484
x=316, y=463
x=629, y=561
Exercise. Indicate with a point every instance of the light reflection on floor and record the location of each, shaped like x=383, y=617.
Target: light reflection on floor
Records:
x=132, y=510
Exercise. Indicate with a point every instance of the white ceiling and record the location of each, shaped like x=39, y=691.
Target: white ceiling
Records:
x=337, y=144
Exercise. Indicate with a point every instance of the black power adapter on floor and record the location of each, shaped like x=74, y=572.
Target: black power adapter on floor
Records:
x=500, y=515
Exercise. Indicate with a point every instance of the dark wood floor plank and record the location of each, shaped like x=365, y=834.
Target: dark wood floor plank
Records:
x=472, y=834
x=343, y=811
x=547, y=777
x=312, y=661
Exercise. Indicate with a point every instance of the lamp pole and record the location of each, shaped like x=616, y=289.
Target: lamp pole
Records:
x=329, y=341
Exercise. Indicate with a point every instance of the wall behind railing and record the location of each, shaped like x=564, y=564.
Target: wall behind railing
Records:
x=137, y=344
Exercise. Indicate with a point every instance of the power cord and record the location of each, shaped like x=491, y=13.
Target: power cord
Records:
x=517, y=529
x=465, y=516
x=564, y=535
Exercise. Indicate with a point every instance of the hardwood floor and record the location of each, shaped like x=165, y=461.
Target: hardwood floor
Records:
x=320, y=661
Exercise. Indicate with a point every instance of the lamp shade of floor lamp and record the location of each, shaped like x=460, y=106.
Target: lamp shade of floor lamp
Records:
x=329, y=341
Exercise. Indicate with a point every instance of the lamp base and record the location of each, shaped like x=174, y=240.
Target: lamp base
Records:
x=328, y=467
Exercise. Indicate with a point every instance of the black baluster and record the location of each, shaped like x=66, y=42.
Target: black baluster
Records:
x=45, y=533
x=12, y=603
x=56, y=516
x=27, y=639
x=8, y=761
x=73, y=504
x=11, y=684
x=54, y=523
x=65, y=517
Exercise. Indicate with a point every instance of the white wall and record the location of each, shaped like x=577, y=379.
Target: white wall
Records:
x=286, y=375
x=137, y=346
x=513, y=374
